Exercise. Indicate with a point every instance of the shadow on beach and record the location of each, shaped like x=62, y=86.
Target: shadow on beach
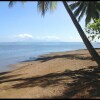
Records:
x=67, y=56
x=82, y=83
x=85, y=82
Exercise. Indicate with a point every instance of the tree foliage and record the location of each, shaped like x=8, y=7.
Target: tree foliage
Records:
x=90, y=9
x=93, y=30
x=43, y=6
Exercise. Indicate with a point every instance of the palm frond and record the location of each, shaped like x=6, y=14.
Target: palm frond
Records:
x=42, y=6
x=90, y=9
x=53, y=5
x=79, y=9
x=74, y=5
x=97, y=15
x=88, y=14
x=11, y=3
x=23, y=2
x=82, y=14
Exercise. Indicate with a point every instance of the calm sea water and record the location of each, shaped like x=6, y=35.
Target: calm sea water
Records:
x=14, y=52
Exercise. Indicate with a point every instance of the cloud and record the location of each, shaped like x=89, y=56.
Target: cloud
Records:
x=24, y=36
x=30, y=37
x=47, y=38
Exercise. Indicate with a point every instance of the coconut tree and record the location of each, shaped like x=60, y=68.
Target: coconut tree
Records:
x=45, y=5
x=90, y=48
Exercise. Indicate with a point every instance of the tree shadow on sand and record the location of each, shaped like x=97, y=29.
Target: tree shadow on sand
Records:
x=85, y=82
x=67, y=56
x=3, y=73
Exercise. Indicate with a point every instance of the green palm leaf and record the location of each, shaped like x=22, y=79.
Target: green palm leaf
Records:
x=90, y=9
x=79, y=9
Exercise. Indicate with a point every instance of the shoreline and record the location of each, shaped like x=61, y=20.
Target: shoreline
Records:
x=53, y=75
x=8, y=67
x=12, y=66
x=19, y=56
x=39, y=57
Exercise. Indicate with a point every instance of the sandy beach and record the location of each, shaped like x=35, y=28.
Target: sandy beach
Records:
x=71, y=74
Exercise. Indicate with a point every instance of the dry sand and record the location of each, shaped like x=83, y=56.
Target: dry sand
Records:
x=70, y=74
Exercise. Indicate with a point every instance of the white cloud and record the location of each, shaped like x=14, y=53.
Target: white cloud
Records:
x=29, y=37
x=47, y=38
x=24, y=36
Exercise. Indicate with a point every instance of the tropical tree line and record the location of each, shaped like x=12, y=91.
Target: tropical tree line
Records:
x=76, y=9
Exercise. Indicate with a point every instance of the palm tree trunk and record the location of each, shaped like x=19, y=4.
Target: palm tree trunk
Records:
x=87, y=43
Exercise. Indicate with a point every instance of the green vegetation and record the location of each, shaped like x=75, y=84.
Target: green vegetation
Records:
x=93, y=30
x=90, y=9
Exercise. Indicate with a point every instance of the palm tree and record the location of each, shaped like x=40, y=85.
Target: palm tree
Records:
x=43, y=7
x=90, y=48
x=90, y=9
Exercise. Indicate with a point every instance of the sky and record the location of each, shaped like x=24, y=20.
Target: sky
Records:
x=24, y=23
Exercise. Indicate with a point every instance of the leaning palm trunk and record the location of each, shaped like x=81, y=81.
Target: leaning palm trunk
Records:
x=87, y=43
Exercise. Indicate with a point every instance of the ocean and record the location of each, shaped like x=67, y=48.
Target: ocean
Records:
x=15, y=52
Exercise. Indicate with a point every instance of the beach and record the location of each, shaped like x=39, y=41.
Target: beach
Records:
x=69, y=74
